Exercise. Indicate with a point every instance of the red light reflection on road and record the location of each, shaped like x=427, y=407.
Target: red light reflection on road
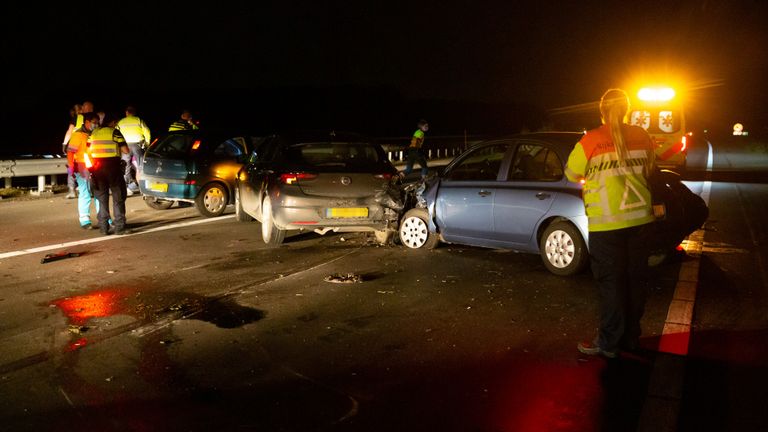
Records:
x=77, y=344
x=551, y=397
x=97, y=304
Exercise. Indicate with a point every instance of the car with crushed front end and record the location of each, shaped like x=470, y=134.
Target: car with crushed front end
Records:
x=323, y=181
x=195, y=166
x=508, y=193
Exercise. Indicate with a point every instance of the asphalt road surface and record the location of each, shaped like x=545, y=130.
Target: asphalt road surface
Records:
x=192, y=324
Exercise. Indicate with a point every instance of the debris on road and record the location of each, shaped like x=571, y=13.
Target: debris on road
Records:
x=58, y=256
x=341, y=278
x=77, y=329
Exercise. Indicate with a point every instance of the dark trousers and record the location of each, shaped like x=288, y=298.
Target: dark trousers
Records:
x=132, y=161
x=416, y=156
x=109, y=177
x=620, y=267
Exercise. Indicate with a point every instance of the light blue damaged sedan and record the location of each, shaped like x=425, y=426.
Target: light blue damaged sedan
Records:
x=508, y=193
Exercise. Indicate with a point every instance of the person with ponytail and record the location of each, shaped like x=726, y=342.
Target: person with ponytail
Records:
x=613, y=162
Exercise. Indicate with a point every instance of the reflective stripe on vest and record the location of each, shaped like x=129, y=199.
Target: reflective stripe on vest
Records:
x=77, y=144
x=102, y=145
x=132, y=129
x=616, y=195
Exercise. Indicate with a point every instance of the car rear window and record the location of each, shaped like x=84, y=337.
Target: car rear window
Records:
x=334, y=155
x=174, y=146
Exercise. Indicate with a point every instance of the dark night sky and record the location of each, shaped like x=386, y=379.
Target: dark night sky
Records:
x=473, y=65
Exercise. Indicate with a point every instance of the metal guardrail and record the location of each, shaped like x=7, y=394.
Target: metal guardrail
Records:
x=39, y=168
x=437, y=147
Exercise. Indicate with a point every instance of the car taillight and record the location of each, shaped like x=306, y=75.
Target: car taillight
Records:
x=684, y=142
x=385, y=176
x=196, y=145
x=292, y=178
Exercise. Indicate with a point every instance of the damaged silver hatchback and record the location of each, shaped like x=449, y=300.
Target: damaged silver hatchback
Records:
x=322, y=182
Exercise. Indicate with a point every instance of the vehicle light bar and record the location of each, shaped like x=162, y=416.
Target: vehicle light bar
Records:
x=656, y=94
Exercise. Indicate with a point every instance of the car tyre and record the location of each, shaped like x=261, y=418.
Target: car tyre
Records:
x=157, y=203
x=240, y=214
x=212, y=200
x=414, y=230
x=270, y=233
x=562, y=249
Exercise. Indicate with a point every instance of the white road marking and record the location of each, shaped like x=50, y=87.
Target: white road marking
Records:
x=676, y=334
x=109, y=237
x=665, y=388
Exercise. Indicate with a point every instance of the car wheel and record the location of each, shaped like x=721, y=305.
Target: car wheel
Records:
x=240, y=214
x=212, y=200
x=414, y=230
x=272, y=235
x=563, y=249
x=157, y=203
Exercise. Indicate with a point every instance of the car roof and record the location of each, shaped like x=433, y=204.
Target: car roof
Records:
x=563, y=142
x=213, y=134
x=565, y=138
x=328, y=135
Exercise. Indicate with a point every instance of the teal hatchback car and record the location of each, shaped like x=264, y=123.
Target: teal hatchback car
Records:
x=196, y=167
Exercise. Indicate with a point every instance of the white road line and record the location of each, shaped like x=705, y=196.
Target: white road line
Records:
x=676, y=335
x=665, y=388
x=109, y=237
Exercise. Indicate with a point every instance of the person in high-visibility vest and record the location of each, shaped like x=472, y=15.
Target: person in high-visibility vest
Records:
x=137, y=135
x=415, y=154
x=85, y=108
x=613, y=162
x=76, y=157
x=184, y=123
x=74, y=112
x=105, y=147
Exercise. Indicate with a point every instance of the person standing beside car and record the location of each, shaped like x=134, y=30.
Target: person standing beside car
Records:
x=137, y=136
x=613, y=162
x=105, y=149
x=415, y=154
x=74, y=112
x=76, y=149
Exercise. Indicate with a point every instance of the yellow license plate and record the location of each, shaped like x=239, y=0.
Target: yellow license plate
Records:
x=158, y=187
x=346, y=212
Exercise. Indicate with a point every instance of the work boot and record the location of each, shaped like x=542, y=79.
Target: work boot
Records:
x=122, y=231
x=71, y=194
x=591, y=348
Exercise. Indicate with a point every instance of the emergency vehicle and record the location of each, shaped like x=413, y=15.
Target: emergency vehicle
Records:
x=659, y=110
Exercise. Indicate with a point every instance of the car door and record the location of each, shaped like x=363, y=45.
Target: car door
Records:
x=527, y=192
x=256, y=172
x=464, y=202
x=228, y=157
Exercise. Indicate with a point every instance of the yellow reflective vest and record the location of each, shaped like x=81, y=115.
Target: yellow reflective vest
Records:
x=105, y=142
x=616, y=195
x=134, y=130
x=417, y=140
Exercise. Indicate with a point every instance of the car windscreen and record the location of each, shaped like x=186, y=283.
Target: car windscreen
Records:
x=334, y=156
